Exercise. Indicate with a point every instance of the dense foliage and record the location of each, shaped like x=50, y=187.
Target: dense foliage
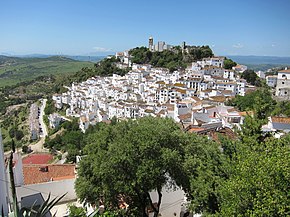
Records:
x=167, y=59
x=128, y=160
x=251, y=77
x=172, y=59
x=71, y=140
x=258, y=184
x=259, y=101
x=229, y=64
x=107, y=67
x=197, y=53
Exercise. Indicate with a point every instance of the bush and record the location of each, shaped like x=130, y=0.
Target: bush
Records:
x=26, y=149
x=75, y=211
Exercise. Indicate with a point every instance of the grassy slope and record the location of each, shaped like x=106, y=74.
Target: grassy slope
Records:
x=16, y=70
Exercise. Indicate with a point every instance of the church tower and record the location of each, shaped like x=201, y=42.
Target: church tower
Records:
x=151, y=47
x=3, y=181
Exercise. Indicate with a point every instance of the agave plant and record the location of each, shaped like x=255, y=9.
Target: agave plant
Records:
x=41, y=211
x=44, y=208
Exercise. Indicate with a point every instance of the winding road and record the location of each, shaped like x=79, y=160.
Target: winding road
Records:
x=38, y=147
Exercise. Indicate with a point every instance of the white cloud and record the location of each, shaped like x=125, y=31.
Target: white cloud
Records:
x=102, y=49
x=238, y=46
x=273, y=45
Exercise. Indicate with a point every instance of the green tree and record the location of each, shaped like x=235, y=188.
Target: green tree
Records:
x=19, y=135
x=132, y=158
x=259, y=185
x=251, y=77
x=49, y=107
x=282, y=108
x=128, y=160
x=204, y=168
x=259, y=101
x=229, y=64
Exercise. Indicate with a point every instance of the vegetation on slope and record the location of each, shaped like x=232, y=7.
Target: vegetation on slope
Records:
x=14, y=70
x=251, y=77
x=128, y=159
x=171, y=59
x=229, y=64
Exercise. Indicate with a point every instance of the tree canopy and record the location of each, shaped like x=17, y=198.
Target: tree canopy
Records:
x=260, y=179
x=251, y=77
x=259, y=101
x=229, y=64
x=172, y=59
x=128, y=160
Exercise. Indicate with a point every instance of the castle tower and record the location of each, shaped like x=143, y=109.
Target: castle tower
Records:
x=183, y=46
x=151, y=47
x=3, y=181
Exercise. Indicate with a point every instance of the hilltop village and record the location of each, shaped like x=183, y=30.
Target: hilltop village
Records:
x=194, y=97
x=191, y=97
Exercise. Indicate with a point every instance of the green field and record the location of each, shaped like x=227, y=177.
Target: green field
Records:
x=14, y=70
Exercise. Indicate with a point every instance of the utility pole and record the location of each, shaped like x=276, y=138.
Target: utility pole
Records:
x=13, y=189
x=4, y=198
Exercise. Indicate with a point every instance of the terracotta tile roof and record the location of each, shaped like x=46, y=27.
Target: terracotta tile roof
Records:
x=283, y=120
x=39, y=173
x=218, y=98
x=160, y=82
x=227, y=132
x=162, y=112
x=170, y=107
x=179, y=85
x=206, y=90
x=37, y=159
x=285, y=71
x=149, y=111
x=232, y=110
x=226, y=91
x=185, y=116
x=225, y=83
x=196, y=98
x=181, y=91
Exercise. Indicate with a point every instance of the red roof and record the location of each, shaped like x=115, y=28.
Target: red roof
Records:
x=37, y=159
x=282, y=120
x=39, y=173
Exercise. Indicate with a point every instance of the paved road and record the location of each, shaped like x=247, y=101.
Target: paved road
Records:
x=38, y=147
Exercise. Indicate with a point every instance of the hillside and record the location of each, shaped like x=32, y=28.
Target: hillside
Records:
x=15, y=69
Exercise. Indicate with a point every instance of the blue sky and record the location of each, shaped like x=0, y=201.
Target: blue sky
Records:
x=98, y=27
